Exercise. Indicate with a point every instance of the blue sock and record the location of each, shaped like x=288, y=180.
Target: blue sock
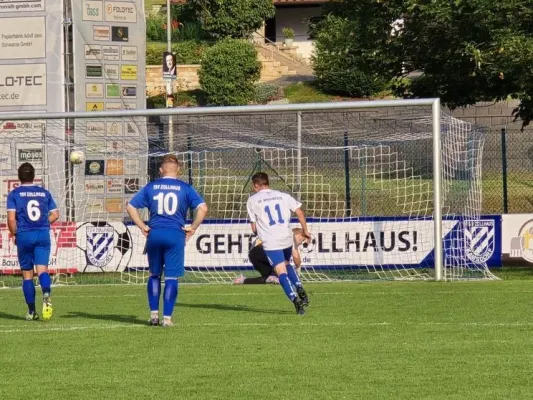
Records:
x=28, y=288
x=287, y=287
x=154, y=291
x=170, y=296
x=46, y=283
x=293, y=276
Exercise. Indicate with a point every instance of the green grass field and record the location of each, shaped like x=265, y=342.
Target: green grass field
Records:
x=398, y=340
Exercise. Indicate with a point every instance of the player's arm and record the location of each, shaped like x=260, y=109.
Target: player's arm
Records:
x=12, y=222
x=53, y=214
x=201, y=212
x=195, y=201
x=137, y=220
x=138, y=201
x=251, y=216
x=301, y=219
x=11, y=214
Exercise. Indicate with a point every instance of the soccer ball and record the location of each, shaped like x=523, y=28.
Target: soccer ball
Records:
x=308, y=247
x=77, y=157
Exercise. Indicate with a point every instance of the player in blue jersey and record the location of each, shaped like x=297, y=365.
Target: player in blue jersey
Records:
x=270, y=215
x=31, y=210
x=168, y=199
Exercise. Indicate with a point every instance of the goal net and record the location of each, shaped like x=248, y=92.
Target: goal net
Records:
x=364, y=176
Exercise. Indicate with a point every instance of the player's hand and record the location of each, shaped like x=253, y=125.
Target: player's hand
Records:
x=189, y=232
x=145, y=230
x=307, y=236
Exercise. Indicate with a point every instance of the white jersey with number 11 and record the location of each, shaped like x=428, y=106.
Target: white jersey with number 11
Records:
x=271, y=210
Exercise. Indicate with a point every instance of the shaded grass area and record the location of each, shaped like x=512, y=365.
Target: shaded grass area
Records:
x=370, y=340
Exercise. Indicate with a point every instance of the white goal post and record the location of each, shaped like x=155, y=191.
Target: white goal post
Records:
x=392, y=188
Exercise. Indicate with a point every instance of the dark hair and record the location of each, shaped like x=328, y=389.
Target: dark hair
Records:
x=26, y=173
x=260, y=178
x=170, y=159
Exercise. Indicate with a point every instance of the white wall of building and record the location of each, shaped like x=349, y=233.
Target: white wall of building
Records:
x=297, y=18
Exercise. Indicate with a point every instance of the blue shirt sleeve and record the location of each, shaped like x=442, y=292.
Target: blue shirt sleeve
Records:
x=11, y=205
x=194, y=198
x=139, y=200
x=51, y=203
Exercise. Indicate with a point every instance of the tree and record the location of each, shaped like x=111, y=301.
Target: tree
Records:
x=228, y=72
x=232, y=18
x=465, y=50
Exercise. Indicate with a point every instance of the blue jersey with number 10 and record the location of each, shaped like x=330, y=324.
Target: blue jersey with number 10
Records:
x=32, y=205
x=168, y=200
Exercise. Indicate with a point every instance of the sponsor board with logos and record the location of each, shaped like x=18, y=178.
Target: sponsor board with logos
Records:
x=111, y=35
x=94, y=186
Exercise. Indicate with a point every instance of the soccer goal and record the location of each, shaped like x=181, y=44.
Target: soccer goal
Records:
x=391, y=189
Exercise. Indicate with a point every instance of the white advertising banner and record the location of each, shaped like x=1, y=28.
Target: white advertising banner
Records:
x=23, y=85
x=16, y=6
x=517, y=239
x=22, y=38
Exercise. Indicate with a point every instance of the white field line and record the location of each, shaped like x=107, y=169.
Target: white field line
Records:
x=70, y=328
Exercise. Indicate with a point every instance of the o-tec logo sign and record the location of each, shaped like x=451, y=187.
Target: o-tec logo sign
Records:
x=22, y=85
x=30, y=155
x=119, y=11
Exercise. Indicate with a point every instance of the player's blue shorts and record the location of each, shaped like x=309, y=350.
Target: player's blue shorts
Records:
x=276, y=257
x=33, y=248
x=165, y=249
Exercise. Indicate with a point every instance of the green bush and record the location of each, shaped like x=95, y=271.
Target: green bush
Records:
x=266, y=92
x=189, y=52
x=343, y=63
x=181, y=31
x=232, y=18
x=228, y=72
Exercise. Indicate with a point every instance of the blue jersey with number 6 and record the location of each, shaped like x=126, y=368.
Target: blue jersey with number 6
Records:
x=32, y=205
x=168, y=200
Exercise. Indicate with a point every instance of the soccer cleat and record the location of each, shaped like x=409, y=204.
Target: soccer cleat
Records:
x=273, y=279
x=303, y=296
x=167, y=323
x=32, y=316
x=239, y=280
x=299, y=306
x=47, y=308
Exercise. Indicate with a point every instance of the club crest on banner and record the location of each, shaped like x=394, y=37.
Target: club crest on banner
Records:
x=100, y=245
x=479, y=240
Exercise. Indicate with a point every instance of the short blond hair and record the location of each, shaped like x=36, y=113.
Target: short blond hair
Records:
x=170, y=159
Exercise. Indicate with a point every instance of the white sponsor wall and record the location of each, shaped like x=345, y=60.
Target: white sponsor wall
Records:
x=31, y=79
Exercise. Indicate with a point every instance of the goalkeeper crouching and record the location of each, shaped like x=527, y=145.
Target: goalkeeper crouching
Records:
x=261, y=264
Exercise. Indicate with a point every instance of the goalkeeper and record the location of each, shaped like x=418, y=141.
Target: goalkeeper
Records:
x=260, y=262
